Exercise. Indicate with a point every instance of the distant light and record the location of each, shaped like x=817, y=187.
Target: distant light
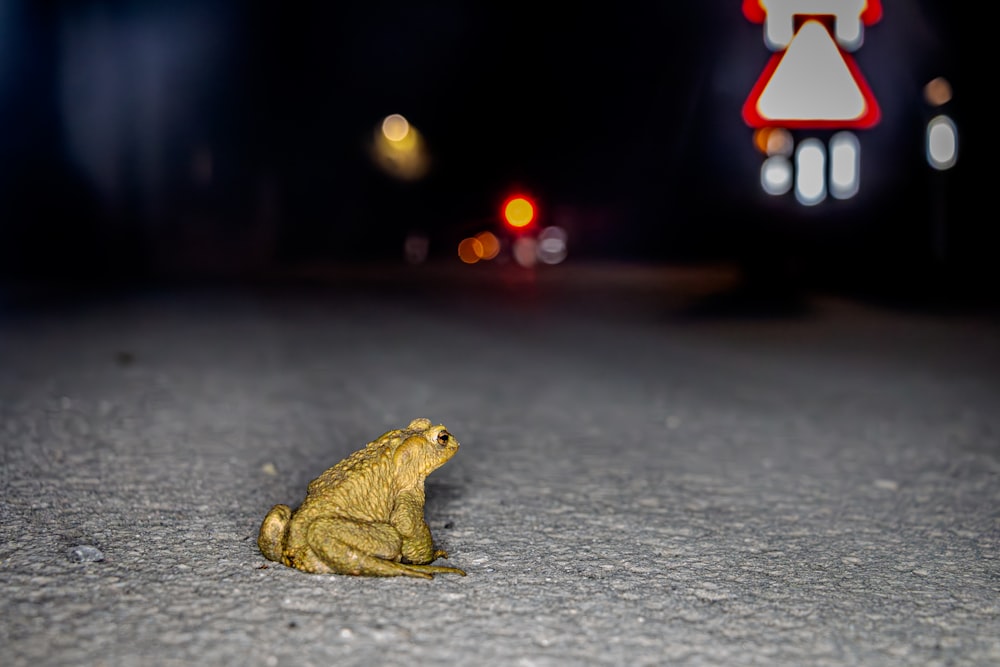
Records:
x=490, y=245
x=773, y=141
x=518, y=211
x=760, y=138
x=779, y=142
x=942, y=142
x=415, y=248
x=552, y=245
x=395, y=127
x=399, y=149
x=937, y=91
x=810, y=176
x=525, y=251
x=470, y=250
x=776, y=175
x=845, y=165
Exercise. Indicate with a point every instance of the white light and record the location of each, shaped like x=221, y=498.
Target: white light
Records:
x=552, y=245
x=942, y=142
x=395, y=127
x=845, y=165
x=810, y=167
x=776, y=175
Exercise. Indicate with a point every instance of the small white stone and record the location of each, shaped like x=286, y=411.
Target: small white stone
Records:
x=85, y=553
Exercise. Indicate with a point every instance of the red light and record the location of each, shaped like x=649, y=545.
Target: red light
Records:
x=518, y=211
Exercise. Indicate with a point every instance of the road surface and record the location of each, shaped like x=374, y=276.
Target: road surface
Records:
x=646, y=477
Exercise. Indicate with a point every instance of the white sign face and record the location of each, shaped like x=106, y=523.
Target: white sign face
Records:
x=812, y=81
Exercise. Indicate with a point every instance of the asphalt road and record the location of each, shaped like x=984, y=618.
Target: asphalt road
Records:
x=648, y=474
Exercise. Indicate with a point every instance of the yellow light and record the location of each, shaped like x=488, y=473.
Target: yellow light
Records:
x=519, y=212
x=399, y=150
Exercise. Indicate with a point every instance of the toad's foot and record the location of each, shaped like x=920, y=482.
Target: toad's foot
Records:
x=435, y=569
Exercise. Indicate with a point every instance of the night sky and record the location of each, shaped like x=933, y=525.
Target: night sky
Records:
x=142, y=135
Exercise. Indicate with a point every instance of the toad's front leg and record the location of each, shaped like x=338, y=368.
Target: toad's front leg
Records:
x=418, y=545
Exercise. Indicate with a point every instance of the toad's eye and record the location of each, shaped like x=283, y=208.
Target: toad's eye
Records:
x=444, y=438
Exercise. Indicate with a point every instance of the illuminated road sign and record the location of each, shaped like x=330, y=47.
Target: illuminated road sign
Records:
x=812, y=81
x=811, y=84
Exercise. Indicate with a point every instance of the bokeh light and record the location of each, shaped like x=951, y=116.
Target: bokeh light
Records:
x=937, y=91
x=552, y=245
x=942, y=142
x=416, y=247
x=490, y=245
x=470, y=250
x=525, y=251
x=776, y=175
x=399, y=149
x=773, y=141
x=518, y=211
x=810, y=172
x=845, y=165
x=395, y=127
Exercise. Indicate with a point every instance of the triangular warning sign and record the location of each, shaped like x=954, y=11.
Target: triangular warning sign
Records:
x=811, y=84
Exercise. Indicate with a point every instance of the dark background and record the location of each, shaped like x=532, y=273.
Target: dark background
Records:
x=226, y=138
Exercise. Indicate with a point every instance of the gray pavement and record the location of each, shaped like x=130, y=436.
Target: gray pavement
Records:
x=637, y=485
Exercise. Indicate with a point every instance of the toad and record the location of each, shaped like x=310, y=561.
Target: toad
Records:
x=365, y=515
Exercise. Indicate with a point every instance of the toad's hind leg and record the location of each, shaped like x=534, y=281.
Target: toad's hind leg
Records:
x=271, y=539
x=367, y=549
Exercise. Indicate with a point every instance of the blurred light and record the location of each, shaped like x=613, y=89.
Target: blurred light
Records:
x=415, y=248
x=773, y=141
x=937, y=91
x=760, y=138
x=810, y=176
x=845, y=165
x=779, y=142
x=399, y=149
x=525, y=251
x=776, y=175
x=490, y=245
x=395, y=127
x=942, y=142
x=470, y=250
x=518, y=211
x=552, y=245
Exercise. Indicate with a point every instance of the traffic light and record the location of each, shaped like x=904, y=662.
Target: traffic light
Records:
x=518, y=211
